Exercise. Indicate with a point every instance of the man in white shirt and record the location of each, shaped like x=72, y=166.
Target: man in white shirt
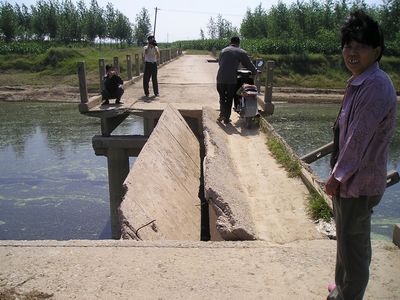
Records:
x=150, y=53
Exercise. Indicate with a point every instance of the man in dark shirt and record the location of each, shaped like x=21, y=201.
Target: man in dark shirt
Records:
x=229, y=60
x=112, y=86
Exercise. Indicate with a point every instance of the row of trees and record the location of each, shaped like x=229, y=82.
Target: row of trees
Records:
x=300, y=27
x=66, y=22
x=315, y=20
x=219, y=28
x=302, y=23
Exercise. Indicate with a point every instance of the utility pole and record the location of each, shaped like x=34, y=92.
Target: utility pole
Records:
x=155, y=21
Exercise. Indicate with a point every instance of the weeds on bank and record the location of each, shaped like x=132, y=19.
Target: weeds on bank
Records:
x=318, y=208
x=279, y=152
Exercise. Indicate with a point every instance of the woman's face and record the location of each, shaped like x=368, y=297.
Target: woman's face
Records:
x=358, y=57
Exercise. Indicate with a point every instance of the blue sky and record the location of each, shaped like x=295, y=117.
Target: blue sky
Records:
x=182, y=20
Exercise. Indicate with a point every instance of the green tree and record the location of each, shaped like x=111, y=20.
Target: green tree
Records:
x=24, y=21
x=142, y=27
x=123, y=30
x=91, y=20
x=390, y=19
x=70, y=22
x=8, y=22
x=110, y=17
x=298, y=12
x=202, y=35
x=255, y=25
x=212, y=28
x=279, y=21
x=341, y=11
x=101, y=24
x=224, y=28
x=39, y=19
x=52, y=18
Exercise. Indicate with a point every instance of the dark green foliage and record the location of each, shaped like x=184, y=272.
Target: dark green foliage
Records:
x=279, y=152
x=22, y=48
x=54, y=56
x=207, y=44
x=304, y=27
x=277, y=46
x=318, y=208
x=63, y=21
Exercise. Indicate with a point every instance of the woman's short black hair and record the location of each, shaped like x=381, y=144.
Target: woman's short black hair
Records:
x=361, y=28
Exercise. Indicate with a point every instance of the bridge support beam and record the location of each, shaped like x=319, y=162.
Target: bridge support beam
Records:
x=118, y=149
x=118, y=169
x=148, y=125
x=109, y=124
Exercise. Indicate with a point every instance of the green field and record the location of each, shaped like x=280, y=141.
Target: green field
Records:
x=58, y=65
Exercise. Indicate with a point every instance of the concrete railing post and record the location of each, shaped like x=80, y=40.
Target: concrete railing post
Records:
x=129, y=66
x=82, y=82
x=137, y=64
x=116, y=63
x=268, y=106
x=258, y=77
x=118, y=169
x=396, y=235
x=102, y=72
x=269, y=81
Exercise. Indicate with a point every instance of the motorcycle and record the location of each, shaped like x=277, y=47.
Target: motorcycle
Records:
x=246, y=98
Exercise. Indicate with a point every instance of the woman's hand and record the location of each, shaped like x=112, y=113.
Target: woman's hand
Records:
x=331, y=185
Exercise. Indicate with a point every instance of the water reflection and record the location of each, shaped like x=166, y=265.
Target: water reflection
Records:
x=52, y=186
x=307, y=127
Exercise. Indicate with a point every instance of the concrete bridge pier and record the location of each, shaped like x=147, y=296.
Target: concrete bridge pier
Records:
x=149, y=122
x=118, y=169
x=117, y=149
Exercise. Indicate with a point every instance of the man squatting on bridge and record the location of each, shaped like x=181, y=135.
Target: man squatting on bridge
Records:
x=150, y=53
x=229, y=60
x=112, y=86
x=363, y=130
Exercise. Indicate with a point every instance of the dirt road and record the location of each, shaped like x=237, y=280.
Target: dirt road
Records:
x=278, y=203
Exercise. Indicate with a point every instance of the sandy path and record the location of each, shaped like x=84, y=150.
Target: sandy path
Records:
x=278, y=203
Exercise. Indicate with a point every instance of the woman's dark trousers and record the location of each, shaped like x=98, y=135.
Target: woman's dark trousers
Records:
x=353, y=257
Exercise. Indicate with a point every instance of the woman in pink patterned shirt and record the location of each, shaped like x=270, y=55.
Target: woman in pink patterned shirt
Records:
x=364, y=127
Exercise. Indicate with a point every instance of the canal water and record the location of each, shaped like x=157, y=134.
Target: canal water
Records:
x=52, y=186
x=308, y=127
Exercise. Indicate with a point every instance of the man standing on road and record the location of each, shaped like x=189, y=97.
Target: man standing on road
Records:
x=229, y=60
x=150, y=53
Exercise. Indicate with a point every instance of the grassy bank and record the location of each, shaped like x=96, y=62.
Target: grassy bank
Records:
x=317, y=207
x=322, y=71
x=58, y=66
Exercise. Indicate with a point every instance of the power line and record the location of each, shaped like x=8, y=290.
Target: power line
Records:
x=200, y=12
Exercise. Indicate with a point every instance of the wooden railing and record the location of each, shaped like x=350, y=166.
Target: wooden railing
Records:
x=393, y=176
x=86, y=104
